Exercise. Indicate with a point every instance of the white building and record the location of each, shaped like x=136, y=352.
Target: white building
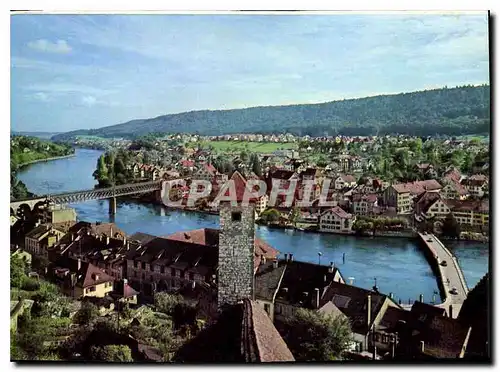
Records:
x=336, y=220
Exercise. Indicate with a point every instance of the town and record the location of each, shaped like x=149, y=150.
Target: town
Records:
x=106, y=284
x=245, y=187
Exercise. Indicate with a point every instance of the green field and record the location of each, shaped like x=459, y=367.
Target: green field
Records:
x=264, y=147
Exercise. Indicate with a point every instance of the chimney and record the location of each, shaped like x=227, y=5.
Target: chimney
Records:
x=422, y=346
x=79, y=264
x=262, y=259
x=316, y=292
x=421, y=298
x=193, y=285
x=325, y=278
x=125, y=281
x=450, y=311
x=332, y=266
x=275, y=264
x=369, y=311
x=291, y=256
x=107, y=240
x=286, y=257
x=72, y=237
x=111, y=230
x=128, y=246
x=124, y=240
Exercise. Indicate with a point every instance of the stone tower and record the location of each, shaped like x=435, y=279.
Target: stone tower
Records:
x=236, y=248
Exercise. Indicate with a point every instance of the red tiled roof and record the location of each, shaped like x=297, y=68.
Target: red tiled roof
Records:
x=239, y=186
x=417, y=187
x=128, y=291
x=339, y=212
x=460, y=189
x=371, y=198
x=479, y=177
x=187, y=163
x=210, y=237
x=92, y=275
x=453, y=174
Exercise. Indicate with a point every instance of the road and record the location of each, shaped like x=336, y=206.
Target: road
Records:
x=451, y=275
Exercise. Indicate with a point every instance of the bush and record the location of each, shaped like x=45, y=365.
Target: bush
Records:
x=111, y=353
x=30, y=284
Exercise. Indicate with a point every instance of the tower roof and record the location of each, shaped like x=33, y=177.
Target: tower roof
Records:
x=240, y=185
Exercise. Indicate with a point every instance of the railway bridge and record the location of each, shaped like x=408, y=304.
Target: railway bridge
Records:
x=21, y=207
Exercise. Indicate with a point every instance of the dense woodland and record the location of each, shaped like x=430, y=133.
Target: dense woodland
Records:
x=446, y=111
x=23, y=150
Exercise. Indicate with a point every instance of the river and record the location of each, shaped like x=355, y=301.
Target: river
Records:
x=398, y=265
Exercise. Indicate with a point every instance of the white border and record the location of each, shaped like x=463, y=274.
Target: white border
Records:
x=198, y=7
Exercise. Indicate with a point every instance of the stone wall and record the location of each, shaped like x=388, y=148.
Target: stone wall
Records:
x=236, y=253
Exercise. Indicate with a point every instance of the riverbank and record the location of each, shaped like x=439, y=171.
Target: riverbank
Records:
x=46, y=159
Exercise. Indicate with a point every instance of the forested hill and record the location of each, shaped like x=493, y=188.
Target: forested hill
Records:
x=446, y=111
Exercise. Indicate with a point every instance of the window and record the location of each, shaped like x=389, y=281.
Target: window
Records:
x=143, y=276
x=172, y=272
x=191, y=276
x=143, y=265
x=162, y=269
x=92, y=289
x=151, y=278
x=236, y=216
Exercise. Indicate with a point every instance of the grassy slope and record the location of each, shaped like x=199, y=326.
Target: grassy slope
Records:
x=263, y=147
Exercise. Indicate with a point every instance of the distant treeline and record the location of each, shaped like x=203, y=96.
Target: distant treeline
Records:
x=446, y=111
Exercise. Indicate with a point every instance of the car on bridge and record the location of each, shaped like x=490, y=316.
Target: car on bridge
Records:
x=444, y=263
x=453, y=291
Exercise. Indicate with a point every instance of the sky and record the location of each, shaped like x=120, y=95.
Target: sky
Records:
x=88, y=71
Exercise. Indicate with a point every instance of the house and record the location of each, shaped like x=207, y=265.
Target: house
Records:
x=355, y=163
x=168, y=263
x=284, y=286
x=344, y=181
x=206, y=172
x=124, y=293
x=423, y=333
x=452, y=174
x=476, y=185
x=336, y=220
x=474, y=213
x=80, y=279
x=363, y=205
x=454, y=190
x=426, y=170
x=42, y=238
x=364, y=308
x=261, y=204
x=400, y=196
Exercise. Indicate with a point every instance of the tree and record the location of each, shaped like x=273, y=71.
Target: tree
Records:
x=270, y=216
x=111, y=353
x=314, y=336
x=165, y=302
x=17, y=271
x=39, y=262
x=101, y=173
x=451, y=228
x=86, y=314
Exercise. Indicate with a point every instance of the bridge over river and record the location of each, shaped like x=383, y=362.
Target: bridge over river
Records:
x=450, y=276
x=19, y=206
